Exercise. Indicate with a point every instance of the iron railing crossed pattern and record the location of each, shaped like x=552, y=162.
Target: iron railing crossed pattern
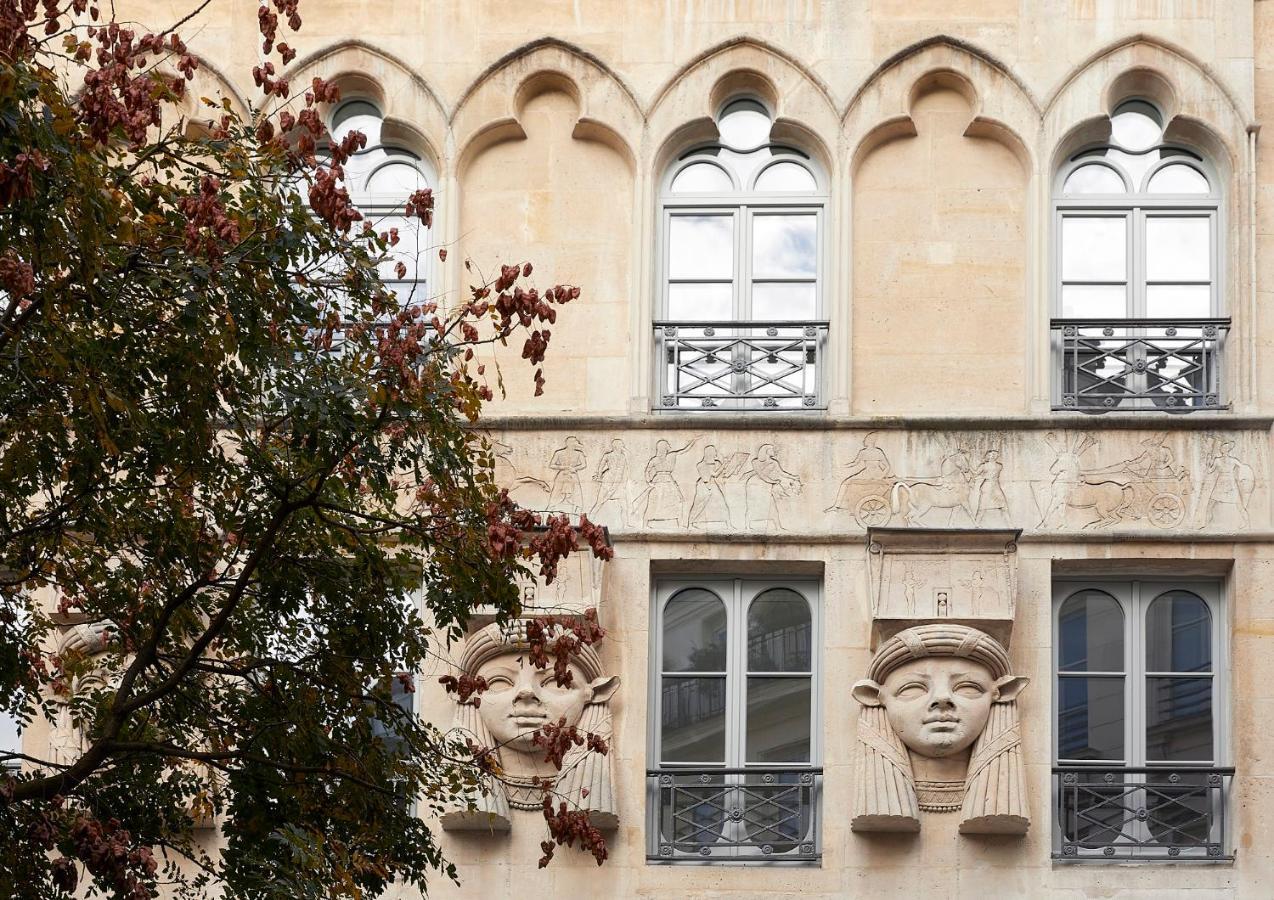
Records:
x=1159, y=812
x=1139, y=364
x=740, y=365
x=739, y=814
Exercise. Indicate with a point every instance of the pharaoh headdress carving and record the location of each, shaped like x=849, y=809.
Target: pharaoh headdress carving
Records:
x=992, y=797
x=584, y=781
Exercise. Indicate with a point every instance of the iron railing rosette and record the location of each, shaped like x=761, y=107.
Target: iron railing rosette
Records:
x=736, y=814
x=740, y=365
x=1160, y=812
x=1140, y=364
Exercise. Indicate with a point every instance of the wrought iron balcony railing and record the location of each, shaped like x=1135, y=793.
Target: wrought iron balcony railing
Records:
x=1137, y=364
x=740, y=365
x=736, y=814
x=1160, y=813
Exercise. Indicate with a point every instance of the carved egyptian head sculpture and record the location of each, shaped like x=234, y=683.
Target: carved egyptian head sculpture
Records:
x=520, y=698
x=939, y=732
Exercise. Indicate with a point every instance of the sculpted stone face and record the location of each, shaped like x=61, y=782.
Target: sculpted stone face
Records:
x=939, y=705
x=520, y=698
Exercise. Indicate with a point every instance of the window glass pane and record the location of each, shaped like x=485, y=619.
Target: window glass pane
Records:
x=701, y=302
x=411, y=250
x=1178, y=179
x=356, y=115
x=701, y=246
x=1094, y=248
x=692, y=720
x=10, y=737
x=1178, y=634
x=1091, y=812
x=783, y=301
x=744, y=124
x=1179, y=814
x=1171, y=301
x=396, y=178
x=778, y=810
x=1090, y=634
x=1090, y=717
x=1094, y=179
x=784, y=246
x=702, y=178
x=788, y=178
x=778, y=720
x=1178, y=719
x=694, y=625
x=1136, y=125
x=1081, y=301
x=1178, y=249
x=779, y=630
x=402, y=698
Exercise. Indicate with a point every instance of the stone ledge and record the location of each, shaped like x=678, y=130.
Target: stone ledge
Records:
x=817, y=421
x=858, y=538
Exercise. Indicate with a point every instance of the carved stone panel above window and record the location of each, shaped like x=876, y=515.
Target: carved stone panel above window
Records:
x=933, y=574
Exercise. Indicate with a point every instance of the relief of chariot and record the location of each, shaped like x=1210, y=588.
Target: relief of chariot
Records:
x=1149, y=487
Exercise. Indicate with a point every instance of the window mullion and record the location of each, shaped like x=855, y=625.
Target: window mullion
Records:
x=737, y=677
x=1137, y=673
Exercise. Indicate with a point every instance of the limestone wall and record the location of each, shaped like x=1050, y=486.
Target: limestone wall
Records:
x=939, y=127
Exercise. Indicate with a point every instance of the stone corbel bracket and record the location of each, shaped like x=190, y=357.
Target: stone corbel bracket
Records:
x=961, y=575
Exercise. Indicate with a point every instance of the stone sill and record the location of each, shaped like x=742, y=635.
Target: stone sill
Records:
x=822, y=421
x=687, y=536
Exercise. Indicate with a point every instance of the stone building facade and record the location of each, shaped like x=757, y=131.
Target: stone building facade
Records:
x=922, y=377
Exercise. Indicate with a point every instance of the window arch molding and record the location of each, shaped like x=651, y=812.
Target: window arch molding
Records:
x=380, y=179
x=1138, y=256
x=742, y=257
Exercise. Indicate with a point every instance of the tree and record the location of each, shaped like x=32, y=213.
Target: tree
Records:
x=229, y=453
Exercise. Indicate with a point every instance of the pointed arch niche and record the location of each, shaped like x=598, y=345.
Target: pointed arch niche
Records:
x=940, y=248
x=545, y=176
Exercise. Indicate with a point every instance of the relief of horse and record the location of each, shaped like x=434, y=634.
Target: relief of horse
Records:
x=951, y=491
x=1108, y=500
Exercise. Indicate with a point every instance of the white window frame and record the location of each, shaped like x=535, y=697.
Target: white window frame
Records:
x=1135, y=596
x=375, y=205
x=743, y=205
x=736, y=594
x=1135, y=207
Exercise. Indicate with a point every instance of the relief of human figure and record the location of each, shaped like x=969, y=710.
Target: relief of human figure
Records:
x=708, y=506
x=765, y=487
x=611, y=479
x=527, y=490
x=1107, y=499
x=1227, y=481
x=869, y=464
x=519, y=700
x=662, y=501
x=939, y=732
x=1155, y=461
x=567, y=494
x=990, y=505
x=84, y=641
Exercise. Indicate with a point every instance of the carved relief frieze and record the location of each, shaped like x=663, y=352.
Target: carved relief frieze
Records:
x=938, y=732
x=519, y=700
x=765, y=482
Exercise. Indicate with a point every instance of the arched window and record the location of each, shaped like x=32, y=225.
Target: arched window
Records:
x=1139, y=733
x=735, y=723
x=738, y=320
x=380, y=178
x=1136, y=224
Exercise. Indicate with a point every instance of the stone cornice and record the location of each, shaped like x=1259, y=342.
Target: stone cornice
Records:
x=717, y=421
